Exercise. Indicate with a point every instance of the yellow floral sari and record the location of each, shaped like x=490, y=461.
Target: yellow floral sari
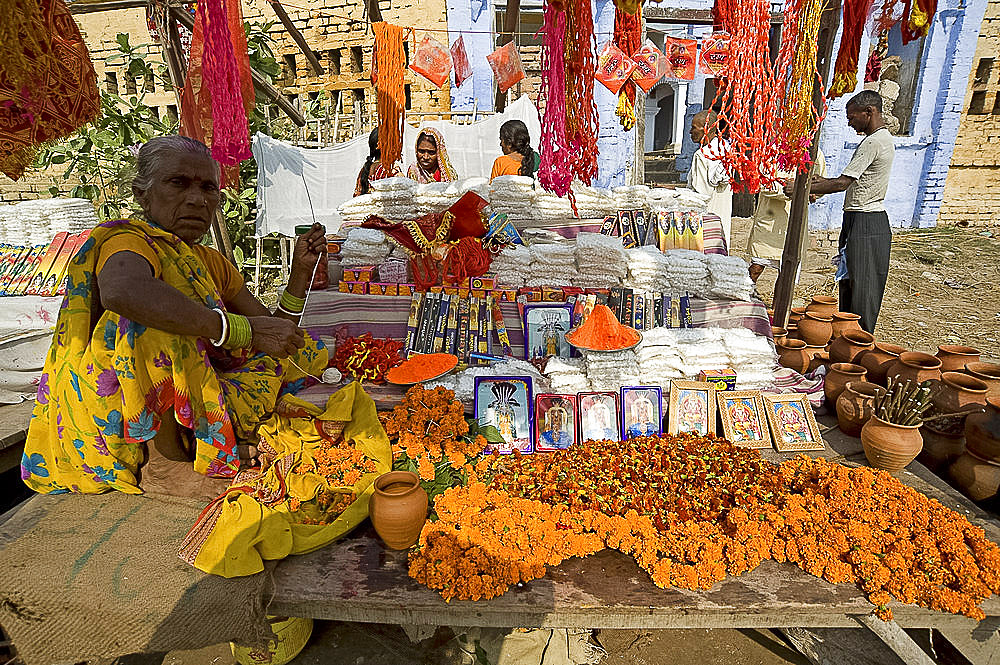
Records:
x=108, y=382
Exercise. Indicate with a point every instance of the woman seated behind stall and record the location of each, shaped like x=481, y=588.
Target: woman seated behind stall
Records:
x=432, y=163
x=518, y=157
x=156, y=328
x=372, y=169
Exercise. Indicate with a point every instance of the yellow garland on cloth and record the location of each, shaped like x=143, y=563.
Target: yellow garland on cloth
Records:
x=283, y=507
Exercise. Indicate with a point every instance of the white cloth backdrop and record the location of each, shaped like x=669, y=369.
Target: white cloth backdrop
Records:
x=295, y=183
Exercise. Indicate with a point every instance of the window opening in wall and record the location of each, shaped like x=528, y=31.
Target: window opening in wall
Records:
x=130, y=88
x=172, y=113
x=977, y=105
x=357, y=59
x=290, y=71
x=406, y=53
x=983, y=70
x=147, y=82
x=409, y=100
x=996, y=105
x=111, y=82
x=333, y=61
x=156, y=111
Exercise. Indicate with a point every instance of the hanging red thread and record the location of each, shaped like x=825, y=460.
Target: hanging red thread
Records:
x=554, y=173
x=230, y=132
x=917, y=19
x=581, y=112
x=388, y=62
x=845, y=71
x=628, y=37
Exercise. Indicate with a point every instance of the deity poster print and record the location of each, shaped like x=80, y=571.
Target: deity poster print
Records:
x=505, y=403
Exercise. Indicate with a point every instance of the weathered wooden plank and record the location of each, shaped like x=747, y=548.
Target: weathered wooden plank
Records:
x=14, y=420
x=981, y=644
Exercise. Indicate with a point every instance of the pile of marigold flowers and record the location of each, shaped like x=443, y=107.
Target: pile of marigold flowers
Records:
x=340, y=464
x=692, y=510
x=429, y=427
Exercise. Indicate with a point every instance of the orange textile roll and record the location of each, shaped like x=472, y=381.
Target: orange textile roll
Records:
x=388, y=64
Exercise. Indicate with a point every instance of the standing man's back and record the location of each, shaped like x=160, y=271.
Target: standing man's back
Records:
x=707, y=175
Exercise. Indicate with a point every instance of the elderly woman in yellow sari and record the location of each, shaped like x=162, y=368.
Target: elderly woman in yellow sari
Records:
x=157, y=328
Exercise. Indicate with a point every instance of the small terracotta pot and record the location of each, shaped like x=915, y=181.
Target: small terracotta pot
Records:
x=844, y=321
x=879, y=359
x=982, y=431
x=792, y=330
x=915, y=366
x=954, y=357
x=850, y=345
x=959, y=391
x=817, y=360
x=889, y=446
x=824, y=306
x=778, y=333
x=940, y=449
x=855, y=406
x=792, y=354
x=838, y=377
x=815, y=330
x=988, y=373
x=977, y=478
x=795, y=314
x=398, y=509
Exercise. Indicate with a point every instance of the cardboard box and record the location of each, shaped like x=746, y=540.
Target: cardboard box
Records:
x=357, y=288
x=505, y=295
x=484, y=283
x=383, y=289
x=531, y=294
x=406, y=289
x=722, y=379
x=478, y=293
x=451, y=290
x=552, y=294
x=359, y=274
x=334, y=245
x=395, y=271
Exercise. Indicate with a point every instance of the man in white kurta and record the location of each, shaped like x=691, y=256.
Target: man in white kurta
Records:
x=708, y=176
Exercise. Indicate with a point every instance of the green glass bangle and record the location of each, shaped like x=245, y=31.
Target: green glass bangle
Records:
x=240, y=332
x=291, y=304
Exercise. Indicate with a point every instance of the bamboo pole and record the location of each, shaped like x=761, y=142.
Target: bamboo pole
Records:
x=798, y=215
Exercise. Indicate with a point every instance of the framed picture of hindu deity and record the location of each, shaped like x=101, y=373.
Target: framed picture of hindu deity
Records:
x=743, y=419
x=545, y=328
x=642, y=411
x=555, y=422
x=597, y=418
x=692, y=408
x=505, y=403
x=793, y=424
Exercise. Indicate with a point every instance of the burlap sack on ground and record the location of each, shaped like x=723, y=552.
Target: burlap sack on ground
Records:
x=85, y=577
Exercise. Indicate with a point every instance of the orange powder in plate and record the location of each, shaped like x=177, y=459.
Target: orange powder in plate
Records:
x=422, y=367
x=602, y=332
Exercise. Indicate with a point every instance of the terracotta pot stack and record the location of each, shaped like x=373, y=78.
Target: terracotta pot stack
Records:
x=879, y=359
x=954, y=357
x=988, y=373
x=815, y=329
x=844, y=321
x=915, y=366
x=837, y=378
x=850, y=346
x=792, y=354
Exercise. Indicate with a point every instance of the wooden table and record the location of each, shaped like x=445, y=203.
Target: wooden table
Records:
x=14, y=420
x=359, y=580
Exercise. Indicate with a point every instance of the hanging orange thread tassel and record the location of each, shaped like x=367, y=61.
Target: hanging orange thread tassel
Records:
x=388, y=62
x=628, y=37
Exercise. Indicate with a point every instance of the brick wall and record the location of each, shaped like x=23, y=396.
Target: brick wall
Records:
x=972, y=187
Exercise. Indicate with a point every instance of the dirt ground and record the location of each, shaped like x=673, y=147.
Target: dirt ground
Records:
x=943, y=288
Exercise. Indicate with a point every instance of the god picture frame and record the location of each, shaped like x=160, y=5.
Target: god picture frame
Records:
x=545, y=328
x=793, y=425
x=505, y=403
x=641, y=411
x=744, y=422
x=555, y=422
x=692, y=408
x=597, y=416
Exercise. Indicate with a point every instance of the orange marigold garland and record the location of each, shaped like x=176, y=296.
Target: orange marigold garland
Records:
x=692, y=510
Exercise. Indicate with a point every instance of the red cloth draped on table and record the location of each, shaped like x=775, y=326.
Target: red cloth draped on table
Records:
x=48, y=87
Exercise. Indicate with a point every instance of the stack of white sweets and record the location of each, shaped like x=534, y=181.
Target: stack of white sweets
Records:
x=730, y=277
x=567, y=375
x=512, y=266
x=601, y=261
x=513, y=195
x=358, y=209
x=631, y=197
x=647, y=270
x=752, y=357
x=395, y=197
x=611, y=371
x=552, y=264
x=364, y=247
x=687, y=271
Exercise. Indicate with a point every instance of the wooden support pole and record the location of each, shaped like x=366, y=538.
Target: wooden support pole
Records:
x=639, y=167
x=510, y=17
x=798, y=217
x=297, y=37
x=260, y=84
x=110, y=5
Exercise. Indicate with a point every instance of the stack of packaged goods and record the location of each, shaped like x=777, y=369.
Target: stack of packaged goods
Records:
x=660, y=358
x=752, y=357
x=701, y=348
x=513, y=195
x=364, y=247
x=631, y=197
x=512, y=266
x=567, y=375
x=552, y=264
x=612, y=370
x=601, y=261
x=730, y=277
x=395, y=198
x=647, y=270
x=358, y=209
x=687, y=271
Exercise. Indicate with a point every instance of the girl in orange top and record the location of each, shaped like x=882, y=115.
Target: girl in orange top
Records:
x=518, y=157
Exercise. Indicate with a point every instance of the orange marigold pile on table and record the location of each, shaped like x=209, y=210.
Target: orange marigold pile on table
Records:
x=692, y=510
x=429, y=426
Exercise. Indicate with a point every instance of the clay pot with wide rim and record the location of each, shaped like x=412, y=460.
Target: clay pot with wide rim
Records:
x=850, y=345
x=817, y=360
x=398, y=509
x=795, y=314
x=977, y=478
x=792, y=354
x=982, y=431
x=888, y=446
x=824, y=306
x=940, y=448
x=988, y=373
x=844, y=321
x=959, y=392
x=955, y=356
x=855, y=406
x=915, y=366
x=879, y=359
x=815, y=330
x=792, y=331
x=778, y=333
x=837, y=378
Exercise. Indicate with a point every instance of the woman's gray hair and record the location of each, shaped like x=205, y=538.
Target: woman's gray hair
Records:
x=152, y=153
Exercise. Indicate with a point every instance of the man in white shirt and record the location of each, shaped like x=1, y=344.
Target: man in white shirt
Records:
x=707, y=175
x=865, y=236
